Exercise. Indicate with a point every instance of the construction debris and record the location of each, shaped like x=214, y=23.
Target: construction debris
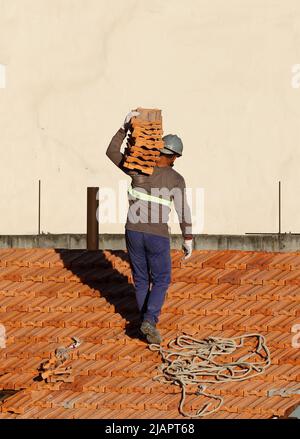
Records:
x=58, y=368
x=144, y=141
x=192, y=364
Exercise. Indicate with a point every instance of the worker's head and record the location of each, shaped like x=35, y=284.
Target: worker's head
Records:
x=172, y=149
x=172, y=145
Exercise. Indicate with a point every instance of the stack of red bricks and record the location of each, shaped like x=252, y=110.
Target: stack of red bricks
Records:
x=144, y=141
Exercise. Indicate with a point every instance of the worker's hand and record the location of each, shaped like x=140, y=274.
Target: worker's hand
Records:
x=187, y=248
x=125, y=125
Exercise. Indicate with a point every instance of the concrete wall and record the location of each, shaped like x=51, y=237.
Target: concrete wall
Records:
x=267, y=243
x=219, y=70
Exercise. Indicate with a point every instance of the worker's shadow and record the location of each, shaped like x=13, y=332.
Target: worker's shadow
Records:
x=103, y=272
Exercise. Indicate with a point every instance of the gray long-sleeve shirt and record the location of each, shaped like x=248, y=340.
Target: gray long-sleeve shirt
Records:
x=150, y=216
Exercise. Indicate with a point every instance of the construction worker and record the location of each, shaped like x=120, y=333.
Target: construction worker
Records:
x=146, y=229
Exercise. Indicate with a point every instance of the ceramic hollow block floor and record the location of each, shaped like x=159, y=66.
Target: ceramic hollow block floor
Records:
x=49, y=296
x=144, y=141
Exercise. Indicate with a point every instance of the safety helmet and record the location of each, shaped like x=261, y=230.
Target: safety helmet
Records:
x=172, y=144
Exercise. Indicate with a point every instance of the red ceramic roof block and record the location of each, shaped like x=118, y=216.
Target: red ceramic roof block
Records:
x=239, y=307
x=249, y=404
x=231, y=276
x=291, y=356
x=17, y=403
x=8, y=365
x=48, y=413
x=37, y=304
x=46, y=319
x=293, y=263
x=10, y=349
x=281, y=323
x=205, y=275
x=279, y=339
x=176, y=259
x=6, y=285
x=218, y=260
x=289, y=292
x=181, y=274
x=144, y=368
x=23, y=380
x=62, y=304
x=198, y=307
x=176, y=288
x=33, y=255
x=15, y=257
x=193, y=275
x=30, y=413
x=200, y=291
x=110, y=352
x=34, y=274
x=285, y=404
x=8, y=380
x=224, y=291
x=263, y=388
x=11, y=318
x=5, y=254
x=288, y=278
x=260, y=261
x=120, y=384
x=196, y=260
x=252, y=386
x=75, y=318
x=213, y=322
x=11, y=303
x=257, y=322
x=164, y=401
x=261, y=306
x=282, y=261
x=81, y=303
x=132, y=352
x=103, y=367
x=238, y=260
x=287, y=308
x=280, y=278
x=88, y=350
x=11, y=273
x=176, y=305
x=256, y=276
x=56, y=399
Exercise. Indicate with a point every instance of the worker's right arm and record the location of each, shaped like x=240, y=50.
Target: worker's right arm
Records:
x=113, y=151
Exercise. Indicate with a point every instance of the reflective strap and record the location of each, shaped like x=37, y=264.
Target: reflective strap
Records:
x=147, y=197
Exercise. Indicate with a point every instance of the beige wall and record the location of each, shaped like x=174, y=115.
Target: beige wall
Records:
x=220, y=70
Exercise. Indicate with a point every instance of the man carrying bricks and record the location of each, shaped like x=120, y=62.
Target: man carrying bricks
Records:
x=146, y=229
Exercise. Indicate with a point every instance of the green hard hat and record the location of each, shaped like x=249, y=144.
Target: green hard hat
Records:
x=172, y=144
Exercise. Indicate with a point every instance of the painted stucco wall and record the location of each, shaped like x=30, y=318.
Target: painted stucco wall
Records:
x=219, y=70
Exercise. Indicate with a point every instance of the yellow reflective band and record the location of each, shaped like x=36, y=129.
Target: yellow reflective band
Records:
x=147, y=197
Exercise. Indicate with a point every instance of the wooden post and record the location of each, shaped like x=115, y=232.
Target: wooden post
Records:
x=92, y=236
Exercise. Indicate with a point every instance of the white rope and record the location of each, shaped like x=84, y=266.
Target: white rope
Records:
x=191, y=361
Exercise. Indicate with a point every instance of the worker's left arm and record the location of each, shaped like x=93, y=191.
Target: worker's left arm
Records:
x=184, y=215
x=183, y=209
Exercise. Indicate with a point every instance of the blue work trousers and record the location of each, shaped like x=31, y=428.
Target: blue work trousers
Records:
x=150, y=262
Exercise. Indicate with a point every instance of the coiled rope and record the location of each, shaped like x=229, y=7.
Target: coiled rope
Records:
x=191, y=361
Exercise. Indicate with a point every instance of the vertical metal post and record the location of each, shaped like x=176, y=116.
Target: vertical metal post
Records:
x=279, y=206
x=92, y=236
x=39, y=209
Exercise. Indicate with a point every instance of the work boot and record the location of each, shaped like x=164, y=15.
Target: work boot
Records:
x=151, y=333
